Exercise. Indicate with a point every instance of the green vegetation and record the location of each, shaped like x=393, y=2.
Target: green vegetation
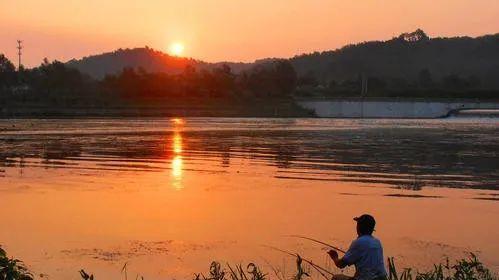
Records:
x=147, y=82
x=12, y=269
x=252, y=272
x=53, y=87
x=112, y=63
x=464, y=269
x=410, y=65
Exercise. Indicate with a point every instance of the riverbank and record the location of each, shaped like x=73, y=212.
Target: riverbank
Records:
x=402, y=108
x=270, y=108
x=469, y=268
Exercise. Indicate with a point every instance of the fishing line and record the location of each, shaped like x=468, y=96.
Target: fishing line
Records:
x=315, y=266
x=317, y=241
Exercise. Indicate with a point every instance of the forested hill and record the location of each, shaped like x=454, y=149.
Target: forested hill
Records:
x=405, y=58
x=409, y=66
x=146, y=58
x=150, y=60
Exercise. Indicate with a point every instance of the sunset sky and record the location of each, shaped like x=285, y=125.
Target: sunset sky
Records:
x=234, y=30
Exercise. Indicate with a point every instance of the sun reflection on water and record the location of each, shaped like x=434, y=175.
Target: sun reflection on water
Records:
x=177, y=143
x=177, y=162
x=177, y=121
x=177, y=167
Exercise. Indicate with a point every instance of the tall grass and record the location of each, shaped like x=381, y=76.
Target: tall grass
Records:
x=252, y=272
x=469, y=268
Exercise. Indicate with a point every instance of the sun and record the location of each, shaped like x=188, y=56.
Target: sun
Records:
x=176, y=48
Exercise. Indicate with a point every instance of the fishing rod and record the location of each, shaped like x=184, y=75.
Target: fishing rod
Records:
x=317, y=241
x=315, y=266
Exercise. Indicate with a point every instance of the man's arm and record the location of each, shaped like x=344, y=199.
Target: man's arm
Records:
x=340, y=263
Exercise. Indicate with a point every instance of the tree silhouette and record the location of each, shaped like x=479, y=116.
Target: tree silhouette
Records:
x=7, y=72
x=416, y=36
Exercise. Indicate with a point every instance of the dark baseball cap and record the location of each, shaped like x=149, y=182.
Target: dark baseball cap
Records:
x=366, y=220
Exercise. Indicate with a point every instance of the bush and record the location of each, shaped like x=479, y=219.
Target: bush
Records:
x=12, y=269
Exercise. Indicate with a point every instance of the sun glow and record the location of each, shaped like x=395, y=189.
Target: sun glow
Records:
x=177, y=162
x=177, y=144
x=176, y=48
x=177, y=121
x=177, y=168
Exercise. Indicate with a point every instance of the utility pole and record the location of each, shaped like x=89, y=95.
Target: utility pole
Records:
x=364, y=79
x=363, y=92
x=19, y=53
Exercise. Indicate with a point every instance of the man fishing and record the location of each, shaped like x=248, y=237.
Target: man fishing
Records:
x=365, y=252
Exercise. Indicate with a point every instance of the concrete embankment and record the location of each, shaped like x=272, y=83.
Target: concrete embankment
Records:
x=393, y=108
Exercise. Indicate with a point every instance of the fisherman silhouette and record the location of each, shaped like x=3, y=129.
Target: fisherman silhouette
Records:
x=365, y=252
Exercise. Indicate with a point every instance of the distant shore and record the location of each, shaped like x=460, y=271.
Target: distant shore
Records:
x=260, y=109
x=310, y=107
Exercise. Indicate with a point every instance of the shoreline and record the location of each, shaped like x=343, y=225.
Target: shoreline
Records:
x=337, y=108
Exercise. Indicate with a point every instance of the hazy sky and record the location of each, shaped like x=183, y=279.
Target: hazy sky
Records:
x=236, y=30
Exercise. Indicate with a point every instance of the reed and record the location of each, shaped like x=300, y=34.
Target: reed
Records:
x=252, y=272
x=322, y=271
x=13, y=269
x=469, y=268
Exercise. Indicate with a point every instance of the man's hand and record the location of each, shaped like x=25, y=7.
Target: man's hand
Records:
x=337, y=261
x=333, y=254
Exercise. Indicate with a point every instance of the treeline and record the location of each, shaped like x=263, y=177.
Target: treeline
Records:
x=275, y=80
x=98, y=66
x=410, y=65
x=56, y=84
x=459, y=63
x=425, y=85
x=50, y=84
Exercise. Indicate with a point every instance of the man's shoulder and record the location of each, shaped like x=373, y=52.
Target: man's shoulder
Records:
x=366, y=240
x=360, y=241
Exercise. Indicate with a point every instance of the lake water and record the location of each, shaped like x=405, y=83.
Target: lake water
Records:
x=168, y=196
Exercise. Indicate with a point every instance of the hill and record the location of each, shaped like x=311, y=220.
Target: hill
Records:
x=150, y=60
x=405, y=57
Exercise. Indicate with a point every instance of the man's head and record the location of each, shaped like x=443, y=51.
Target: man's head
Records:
x=365, y=224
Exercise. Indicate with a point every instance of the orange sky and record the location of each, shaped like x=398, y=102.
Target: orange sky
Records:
x=235, y=30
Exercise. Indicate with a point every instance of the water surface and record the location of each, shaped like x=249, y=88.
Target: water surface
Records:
x=170, y=195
